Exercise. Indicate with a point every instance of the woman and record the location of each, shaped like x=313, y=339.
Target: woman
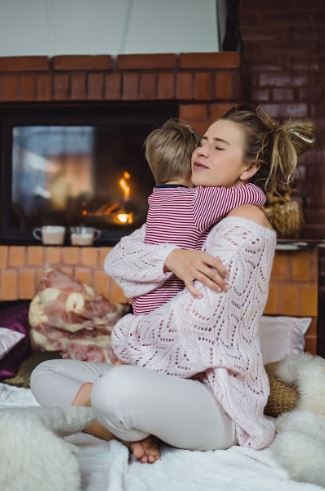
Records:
x=194, y=375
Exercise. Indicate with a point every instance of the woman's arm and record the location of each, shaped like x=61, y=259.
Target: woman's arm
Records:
x=208, y=269
x=139, y=268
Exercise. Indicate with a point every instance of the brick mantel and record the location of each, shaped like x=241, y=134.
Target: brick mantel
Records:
x=204, y=84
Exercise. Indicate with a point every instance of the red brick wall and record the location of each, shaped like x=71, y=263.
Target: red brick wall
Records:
x=21, y=267
x=204, y=84
x=293, y=289
x=284, y=60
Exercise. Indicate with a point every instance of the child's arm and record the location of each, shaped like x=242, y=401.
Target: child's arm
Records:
x=211, y=204
x=137, y=268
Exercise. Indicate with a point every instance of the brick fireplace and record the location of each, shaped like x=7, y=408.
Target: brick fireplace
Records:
x=203, y=85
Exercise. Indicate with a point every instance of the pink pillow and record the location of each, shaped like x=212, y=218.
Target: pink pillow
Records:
x=282, y=336
x=8, y=339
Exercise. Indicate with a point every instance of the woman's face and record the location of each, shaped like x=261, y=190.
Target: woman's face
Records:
x=219, y=161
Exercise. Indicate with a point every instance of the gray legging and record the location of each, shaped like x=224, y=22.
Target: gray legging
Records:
x=134, y=402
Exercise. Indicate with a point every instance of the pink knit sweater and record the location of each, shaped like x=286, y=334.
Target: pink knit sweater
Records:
x=214, y=338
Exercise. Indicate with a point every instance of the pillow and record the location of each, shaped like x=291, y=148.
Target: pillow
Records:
x=282, y=336
x=8, y=339
x=15, y=318
x=69, y=316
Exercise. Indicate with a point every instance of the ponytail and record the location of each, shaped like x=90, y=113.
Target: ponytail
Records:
x=274, y=147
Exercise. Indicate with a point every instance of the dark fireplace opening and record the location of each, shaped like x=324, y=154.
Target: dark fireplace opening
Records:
x=76, y=164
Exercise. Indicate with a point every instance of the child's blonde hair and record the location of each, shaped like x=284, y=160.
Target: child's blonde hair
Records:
x=275, y=147
x=168, y=151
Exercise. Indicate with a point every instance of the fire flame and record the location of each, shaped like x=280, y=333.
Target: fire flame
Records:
x=124, y=185
x=124, y=218
x=116, y=211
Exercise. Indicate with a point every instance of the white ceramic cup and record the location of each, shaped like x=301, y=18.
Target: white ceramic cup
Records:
x=83, y=236
x=50, y=234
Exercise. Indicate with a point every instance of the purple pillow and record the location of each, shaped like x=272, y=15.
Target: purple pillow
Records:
x=15, y=318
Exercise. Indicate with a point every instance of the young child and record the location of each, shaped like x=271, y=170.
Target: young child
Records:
x=179, y=213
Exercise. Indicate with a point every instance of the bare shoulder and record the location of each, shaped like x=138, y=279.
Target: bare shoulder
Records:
x=253, y=213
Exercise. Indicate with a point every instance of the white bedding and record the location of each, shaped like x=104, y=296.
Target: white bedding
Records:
x=106, y=466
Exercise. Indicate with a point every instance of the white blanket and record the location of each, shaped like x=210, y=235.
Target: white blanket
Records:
x=107, y=467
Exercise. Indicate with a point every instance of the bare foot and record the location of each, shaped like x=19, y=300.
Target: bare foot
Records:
x=146, y=451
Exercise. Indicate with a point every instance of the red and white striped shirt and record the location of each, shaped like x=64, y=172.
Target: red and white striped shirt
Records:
x=183, y=217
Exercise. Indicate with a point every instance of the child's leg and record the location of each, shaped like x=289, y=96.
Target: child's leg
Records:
x=134, y=402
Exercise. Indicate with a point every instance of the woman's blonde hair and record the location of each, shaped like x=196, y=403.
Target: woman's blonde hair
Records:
x=274, y=147
x=168, y=151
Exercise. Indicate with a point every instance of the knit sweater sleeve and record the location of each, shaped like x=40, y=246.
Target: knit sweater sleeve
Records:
x=216, y=336
x=137, y=267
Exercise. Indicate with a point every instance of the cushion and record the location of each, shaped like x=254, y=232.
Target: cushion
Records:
x=8, y=339
x=15, y=318
x=71, y=317
x=281, y=336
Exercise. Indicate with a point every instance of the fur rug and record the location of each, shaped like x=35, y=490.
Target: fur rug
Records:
x=299, y=445
x=33, y=454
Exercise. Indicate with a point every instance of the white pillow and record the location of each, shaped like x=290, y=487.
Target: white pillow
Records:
x=8, y=339
x=282, y=336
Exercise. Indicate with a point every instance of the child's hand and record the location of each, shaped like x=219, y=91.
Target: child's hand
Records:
x=190, y=265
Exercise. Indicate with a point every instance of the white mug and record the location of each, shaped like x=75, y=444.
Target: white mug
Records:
x=50, y=234
x=84, y=236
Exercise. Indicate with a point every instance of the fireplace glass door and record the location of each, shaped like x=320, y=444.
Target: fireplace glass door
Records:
x=76, y=165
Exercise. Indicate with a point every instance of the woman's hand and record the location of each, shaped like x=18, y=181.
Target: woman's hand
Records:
x=190, y=265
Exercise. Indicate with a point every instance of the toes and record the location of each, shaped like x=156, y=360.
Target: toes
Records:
x=146, y=451
x=137, y=450
x=151, y=449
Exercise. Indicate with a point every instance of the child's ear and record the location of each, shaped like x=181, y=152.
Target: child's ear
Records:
x=249, y=171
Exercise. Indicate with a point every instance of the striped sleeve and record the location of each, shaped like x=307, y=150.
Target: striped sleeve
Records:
x=211, y=204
